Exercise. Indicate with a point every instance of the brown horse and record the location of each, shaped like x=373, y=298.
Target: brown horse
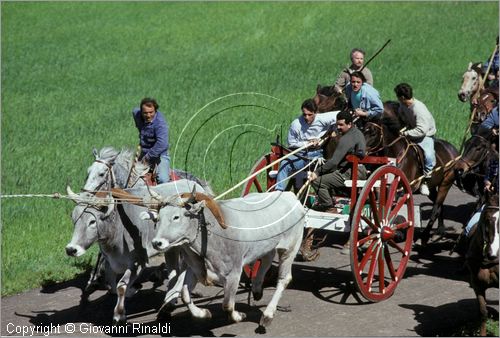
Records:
x=482, y=255
x=328, y=100
x=383, y=138
x=470, y=168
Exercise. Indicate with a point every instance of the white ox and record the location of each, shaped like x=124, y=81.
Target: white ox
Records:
x=221, y=237
x=125, y=239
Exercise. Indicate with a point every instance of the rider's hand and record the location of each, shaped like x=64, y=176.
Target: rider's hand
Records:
x=311, y=176
x=314, y=142
x=488, y=186
x=494, y=131
x=360, y=112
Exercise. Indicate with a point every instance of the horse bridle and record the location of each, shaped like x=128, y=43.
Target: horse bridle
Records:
x=111, y=175
x=380, y=145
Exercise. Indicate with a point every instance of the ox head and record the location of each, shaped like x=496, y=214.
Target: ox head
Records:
x=470, y=82
x=87, y=216
x=180, y=218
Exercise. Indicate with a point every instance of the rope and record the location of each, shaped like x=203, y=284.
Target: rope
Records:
x=294, y=174
x=54, y=195
x=267, y=167
x=444, y=168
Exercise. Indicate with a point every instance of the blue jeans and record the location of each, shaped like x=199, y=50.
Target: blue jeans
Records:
x=474, y=219
x=427, y=145
x=292, y=164
x=163, y=168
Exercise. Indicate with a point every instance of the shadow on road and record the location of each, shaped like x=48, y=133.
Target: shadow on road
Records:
x=452, y=316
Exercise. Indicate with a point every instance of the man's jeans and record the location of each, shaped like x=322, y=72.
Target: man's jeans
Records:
x=292, y=164
x=163, y=169
x=427, y=145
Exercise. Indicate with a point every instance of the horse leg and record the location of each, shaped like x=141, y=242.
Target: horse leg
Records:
x=483, y=310
x=438, y=197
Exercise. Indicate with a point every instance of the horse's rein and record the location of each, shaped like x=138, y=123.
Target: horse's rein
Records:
x=380, y=144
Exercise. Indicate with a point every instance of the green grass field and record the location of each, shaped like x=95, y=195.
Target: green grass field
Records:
x=73, y=71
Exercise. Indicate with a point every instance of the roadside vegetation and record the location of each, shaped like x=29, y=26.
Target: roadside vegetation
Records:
x=229, y=77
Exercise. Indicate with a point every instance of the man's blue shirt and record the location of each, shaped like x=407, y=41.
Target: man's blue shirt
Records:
x=492, y=119
x=370, y=99
x=153, y=136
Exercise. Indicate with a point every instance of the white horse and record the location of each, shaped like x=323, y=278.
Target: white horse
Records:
x=118, y=169
x=470, y=82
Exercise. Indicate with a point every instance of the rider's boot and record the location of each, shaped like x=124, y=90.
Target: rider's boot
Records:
x=308, y=254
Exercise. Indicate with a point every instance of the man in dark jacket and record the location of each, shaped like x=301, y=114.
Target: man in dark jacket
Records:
x=329, y=178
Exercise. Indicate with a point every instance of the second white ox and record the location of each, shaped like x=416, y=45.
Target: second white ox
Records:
x=222, y=237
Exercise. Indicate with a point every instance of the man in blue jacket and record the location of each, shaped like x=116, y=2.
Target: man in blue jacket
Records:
x=153, y=137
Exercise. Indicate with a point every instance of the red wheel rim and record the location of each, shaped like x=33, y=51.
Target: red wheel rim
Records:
x=382, y=233
x=257, y=183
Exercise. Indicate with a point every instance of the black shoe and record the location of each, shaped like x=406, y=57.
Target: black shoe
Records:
x=321, y=207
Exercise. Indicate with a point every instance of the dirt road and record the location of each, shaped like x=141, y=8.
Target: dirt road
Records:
x=431, y=300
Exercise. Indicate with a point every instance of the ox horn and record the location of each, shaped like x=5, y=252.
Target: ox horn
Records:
x=72, y=195
x=211, y=205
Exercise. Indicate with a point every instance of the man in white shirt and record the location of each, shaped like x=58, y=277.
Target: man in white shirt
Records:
x=309, y=127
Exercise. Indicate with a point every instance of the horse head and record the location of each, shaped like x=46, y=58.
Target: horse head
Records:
x=476, y=151
x=384, y=130
x=486, y=102
x=328, y=100
x=470, y=81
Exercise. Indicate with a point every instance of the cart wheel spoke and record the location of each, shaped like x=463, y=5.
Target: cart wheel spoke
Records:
x=402, y=201
x=373, y=206
x=382, y=194
x=390, y=266
x=366, y=256
x=371, y=270
x=392, y=194
x=381, y=280
x=370, y=237
x=369, y=222
x=397, y=247
x=401, y=226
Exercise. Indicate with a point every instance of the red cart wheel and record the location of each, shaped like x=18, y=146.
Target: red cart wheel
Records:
x=382, y=227
x=262, y=181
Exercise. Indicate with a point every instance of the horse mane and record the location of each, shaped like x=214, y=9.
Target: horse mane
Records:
x=477, y=67
x=191, y=177
x=107, y=154
x=327, y=90
x=390, y=118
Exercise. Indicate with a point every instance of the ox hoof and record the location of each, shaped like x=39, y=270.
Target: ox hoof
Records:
x=257, y=295
x=236, y=316
x=265, y=321
x=207, y=314
x=165, y=312
x=119, y=322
